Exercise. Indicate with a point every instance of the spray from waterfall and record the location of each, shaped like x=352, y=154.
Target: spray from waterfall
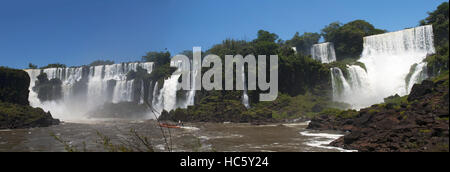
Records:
x=86, y=88
x=245, y=99
x=393, y=62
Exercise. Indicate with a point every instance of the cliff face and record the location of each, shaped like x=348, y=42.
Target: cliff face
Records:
x=14, y=86
x=418, y=122
x=15, y=111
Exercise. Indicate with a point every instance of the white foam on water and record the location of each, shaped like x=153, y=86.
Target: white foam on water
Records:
x=297, y=124
x=323, y=140
x=190, y=128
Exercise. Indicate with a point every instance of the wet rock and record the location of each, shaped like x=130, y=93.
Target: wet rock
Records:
x=419, y=125
x=419, y=90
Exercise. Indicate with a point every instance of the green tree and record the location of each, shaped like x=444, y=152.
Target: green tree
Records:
x=439, y=20
x=14, y=86
x=330, y=30
x=54, y=65
x=348, y=39
x=32, y=66
x=265, y=43
x=265, y=36
x=304, y=42
x=438, y=63
x=299, y=74
x=101, y=63
x=159, y=58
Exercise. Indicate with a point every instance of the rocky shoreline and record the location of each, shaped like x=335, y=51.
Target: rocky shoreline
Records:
x=416, y=123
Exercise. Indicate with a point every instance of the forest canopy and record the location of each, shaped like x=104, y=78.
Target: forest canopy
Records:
x=348, y=38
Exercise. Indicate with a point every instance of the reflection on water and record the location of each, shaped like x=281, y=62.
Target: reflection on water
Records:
x=193, y=137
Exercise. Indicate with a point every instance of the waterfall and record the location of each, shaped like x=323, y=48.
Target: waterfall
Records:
x=141, y=98
x=169, y=93
x=339, y=84
x=349, y=89
x=389, y=59
x=96, y=87
x=190, y=101
x=166, y=98
x=157, y=99
x=86, y=88
x=323, y=52
x=417, y=74
x=245, y=100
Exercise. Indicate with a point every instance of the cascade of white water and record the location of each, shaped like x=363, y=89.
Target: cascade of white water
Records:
x=96, y=87
x=323, y=52
x=71, y=106
x=418, y=75
x=245, y=100
x=166, y=97
x=169, y=92
x=141, y=98
x=416, y=40
x=123, y=91
x=388, y=59
x=191, y=94
x=157, y=99
x=72, y=76
x=33, y=96
x=350, y=89
x=339, y=84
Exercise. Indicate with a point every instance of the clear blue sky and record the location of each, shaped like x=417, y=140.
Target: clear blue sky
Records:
x=76, y=32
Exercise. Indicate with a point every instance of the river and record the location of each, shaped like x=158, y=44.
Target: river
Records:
x=203, y=137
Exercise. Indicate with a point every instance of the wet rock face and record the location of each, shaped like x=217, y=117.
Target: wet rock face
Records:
x=325, y=122
x=48, y=90
x=420, y=90
x=420, y=125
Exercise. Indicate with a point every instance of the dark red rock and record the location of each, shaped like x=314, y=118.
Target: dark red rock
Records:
x=421, y=125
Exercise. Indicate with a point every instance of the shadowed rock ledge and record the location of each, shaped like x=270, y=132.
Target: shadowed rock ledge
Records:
x=418, y=122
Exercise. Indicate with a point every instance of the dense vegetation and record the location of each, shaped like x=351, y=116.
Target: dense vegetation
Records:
x=159, y=58
x=348, y=38
x=54, y=65
x=439, y=20
x=24, y=116
x=303, y=91
x=303, y=43
x=14, y=86
x=101, y=62
x=438, y=63
x=46, y=89
x=32, y=66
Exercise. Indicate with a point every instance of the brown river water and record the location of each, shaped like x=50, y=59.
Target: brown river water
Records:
x=193, y=137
